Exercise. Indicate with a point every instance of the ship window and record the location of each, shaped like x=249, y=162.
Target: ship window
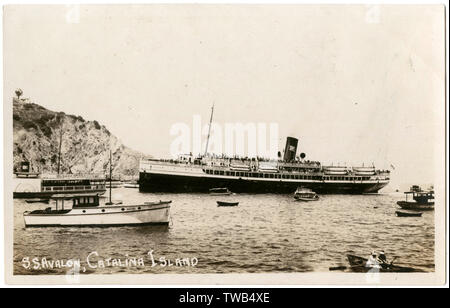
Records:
x=84, y=211
x=271, y=176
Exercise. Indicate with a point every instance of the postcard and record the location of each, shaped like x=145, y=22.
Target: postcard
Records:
x=224, y=144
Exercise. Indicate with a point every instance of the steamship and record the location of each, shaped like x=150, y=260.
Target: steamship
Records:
x=255, y=175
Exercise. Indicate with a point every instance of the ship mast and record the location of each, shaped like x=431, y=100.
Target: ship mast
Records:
x=59, y=150
x=110, y=176
x=209, y=129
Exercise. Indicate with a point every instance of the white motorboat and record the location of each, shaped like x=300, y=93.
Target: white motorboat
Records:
x=305, y=194
x=87, y=210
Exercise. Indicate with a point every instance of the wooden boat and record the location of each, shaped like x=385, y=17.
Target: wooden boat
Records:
x=85, y=210
x=223, y=203
x=37, y=200
x=421, y=200
x=305, y=194
x=404, y=214
x=220, y=191
x=131, y=185
x=415, y=206
x=358, y=264
x=28, y=184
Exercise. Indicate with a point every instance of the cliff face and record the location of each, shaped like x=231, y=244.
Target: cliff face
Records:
x=85, y=145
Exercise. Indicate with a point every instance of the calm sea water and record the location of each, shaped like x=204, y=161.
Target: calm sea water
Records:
x=265, y=233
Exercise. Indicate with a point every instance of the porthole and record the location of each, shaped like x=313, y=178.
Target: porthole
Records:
x=123, y=209
x=103, y=210
x=84, y=211
x=139, y=208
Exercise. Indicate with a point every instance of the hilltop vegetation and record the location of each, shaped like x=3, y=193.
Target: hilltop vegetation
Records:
x=85, y=144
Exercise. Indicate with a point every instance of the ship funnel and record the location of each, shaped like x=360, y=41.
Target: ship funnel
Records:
x=291, y=149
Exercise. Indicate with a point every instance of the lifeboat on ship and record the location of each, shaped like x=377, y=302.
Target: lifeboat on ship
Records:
x=267, y=168
x=239, y=167
x=364, y=170
x=335, y=170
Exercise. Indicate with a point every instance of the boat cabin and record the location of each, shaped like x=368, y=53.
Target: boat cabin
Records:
x=420, y=196
x=303, y=192
x=76, y=201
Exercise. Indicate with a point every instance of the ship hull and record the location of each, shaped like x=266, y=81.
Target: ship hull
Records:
x=154, y=182
x=427, y=206
x=101, y=217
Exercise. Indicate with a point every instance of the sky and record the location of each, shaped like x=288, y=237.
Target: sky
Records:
x=355, y=84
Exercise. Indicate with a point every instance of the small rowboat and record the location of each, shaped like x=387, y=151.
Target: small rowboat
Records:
x=131, y=185
x=358, y=264
x=219, y=191
x=222, y=203
x=404, y=214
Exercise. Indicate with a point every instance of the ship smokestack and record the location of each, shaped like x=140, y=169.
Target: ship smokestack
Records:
x=291, y=149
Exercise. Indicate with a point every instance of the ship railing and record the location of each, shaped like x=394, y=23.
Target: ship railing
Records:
x=73, y=188
x=235, y=160
x=300, y=164
x=94, y=176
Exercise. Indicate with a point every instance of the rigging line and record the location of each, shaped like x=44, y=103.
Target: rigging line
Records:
x=209, y=129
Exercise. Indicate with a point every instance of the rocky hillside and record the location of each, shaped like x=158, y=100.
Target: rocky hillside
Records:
x=85, y=144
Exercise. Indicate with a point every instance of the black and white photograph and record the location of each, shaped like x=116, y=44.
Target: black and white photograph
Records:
x=225, y=144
